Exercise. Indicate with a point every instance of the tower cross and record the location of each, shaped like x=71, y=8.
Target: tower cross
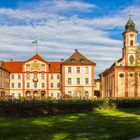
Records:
x=129, y=14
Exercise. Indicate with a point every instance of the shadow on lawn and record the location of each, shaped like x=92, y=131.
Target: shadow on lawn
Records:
x=97, y=125
x=133, y=111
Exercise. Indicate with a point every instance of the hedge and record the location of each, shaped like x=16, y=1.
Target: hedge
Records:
x=43, y=107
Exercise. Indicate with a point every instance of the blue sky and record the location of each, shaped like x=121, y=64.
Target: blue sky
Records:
x=93, y=26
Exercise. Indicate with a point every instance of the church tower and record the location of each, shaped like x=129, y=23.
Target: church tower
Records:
x=130, y=47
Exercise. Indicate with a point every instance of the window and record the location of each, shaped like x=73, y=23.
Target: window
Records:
x=82, y=60
x=58, y=85
x=27, y=67
x=51, y=85
x=69, y=93
x=12, y=76
x=95, y=84
x=51, y=94
x=131, y=59
x=43, y=76
x=86, y=70
x=58, y=94
x=131, y=42
x=28, y=85
x=78, y=93
x=78, y=81
x=19, y=76
x=28, y=76
x=51, y=76
x=13, y=94
x=43, y=93
x=72, y=60
x=121, y=75
x=69, y=81
x=43, y=85
x=12, y=85
x=58, y=76
x=131, y=74
x=43, y=67
x=69, y=70
x=35, y=93
x=86, y=81
x=86, y=93
x=35, y=85
x=19, y=94
x=78, y=69
x=35, y=76
x=19, y=85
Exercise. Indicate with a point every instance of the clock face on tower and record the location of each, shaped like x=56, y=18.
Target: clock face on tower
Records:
x=132, y=35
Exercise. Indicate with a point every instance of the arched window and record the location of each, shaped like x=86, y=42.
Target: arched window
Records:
x=35, y=93
x=28, y=93
x=43, y=93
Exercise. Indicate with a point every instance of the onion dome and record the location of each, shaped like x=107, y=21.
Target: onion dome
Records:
x=130, y=26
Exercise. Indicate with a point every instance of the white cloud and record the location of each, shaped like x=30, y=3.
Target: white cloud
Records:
x=58, y=42
x=55, y=6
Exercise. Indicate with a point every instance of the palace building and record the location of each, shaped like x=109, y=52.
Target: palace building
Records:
x=122, y=79
x=74, y=76
x=36, y=77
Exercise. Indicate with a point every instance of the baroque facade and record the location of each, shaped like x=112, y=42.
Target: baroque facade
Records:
x=122, y=79
x=37, y=77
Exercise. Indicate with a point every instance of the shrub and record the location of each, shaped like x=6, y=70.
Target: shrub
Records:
x=42, y=107
x=126, y=102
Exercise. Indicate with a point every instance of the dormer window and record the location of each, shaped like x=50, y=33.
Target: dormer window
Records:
x=72, y=60
x=81, y=60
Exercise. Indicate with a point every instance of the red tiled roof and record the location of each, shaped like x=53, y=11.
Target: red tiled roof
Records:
x=54, y=67
x=36, y=56
x=13, y=66
x=2, y=66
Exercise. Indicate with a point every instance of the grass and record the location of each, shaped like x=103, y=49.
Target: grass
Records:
x=101, y=124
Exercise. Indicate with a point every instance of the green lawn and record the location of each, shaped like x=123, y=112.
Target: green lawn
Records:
x=105, y=124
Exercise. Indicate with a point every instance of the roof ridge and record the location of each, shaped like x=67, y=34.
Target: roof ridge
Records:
x=36, y=56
